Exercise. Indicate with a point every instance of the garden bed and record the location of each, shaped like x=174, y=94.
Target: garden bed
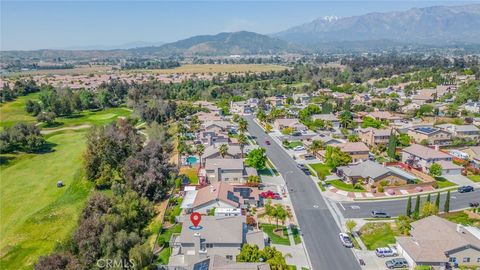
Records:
x=274, y=237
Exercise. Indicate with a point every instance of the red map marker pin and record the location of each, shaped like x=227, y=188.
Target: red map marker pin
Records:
x=195, y=218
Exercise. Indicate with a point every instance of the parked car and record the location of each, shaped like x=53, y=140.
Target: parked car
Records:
x=306, y=171
x=464, y=189
x=270, y=195
x=309, y=157
x=474, y=204
x=301, y=166
x=396, y=263
x=298, y=148
x=386, y=252
x=345, y=239
x=297, y=133
x=267, y=142
x=380, y=214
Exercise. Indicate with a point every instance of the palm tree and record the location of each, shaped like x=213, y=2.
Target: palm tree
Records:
x=199, y=150
x=223, y=149
x=346, y=119
x=242, y=141
x=242, y=125
x=316, y=146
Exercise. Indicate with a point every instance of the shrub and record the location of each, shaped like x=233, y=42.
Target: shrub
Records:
x=380, y=189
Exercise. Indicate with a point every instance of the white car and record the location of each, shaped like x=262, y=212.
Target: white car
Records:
x=298, y=148
x=386, y=252
x=346, y=241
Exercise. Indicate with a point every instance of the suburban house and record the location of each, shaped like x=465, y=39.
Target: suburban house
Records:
x=473, y=107
x=357, y=150
x=210, y=116
x=372, y=136
x=217, y=126
x=440, y=243
x=432, y=135
x=276, y=101
x=464, y=131
x=383, y=116
x=241, y=107
x=207, y=105
x=221, y=195
x=422, y=157
x=325, y=139
x=289, y=122
x=213, y=152
x=370, y=172
x=211, y=137
x=327, y=118
x=301, y=98
x=220, y=263
x=232, y=171
x=474, y=155
x=219, y=236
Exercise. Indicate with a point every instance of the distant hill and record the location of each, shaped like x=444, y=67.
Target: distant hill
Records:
x=224, y=44
x=440, y=25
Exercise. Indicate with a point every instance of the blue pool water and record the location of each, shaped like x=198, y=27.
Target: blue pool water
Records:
x=191, y=160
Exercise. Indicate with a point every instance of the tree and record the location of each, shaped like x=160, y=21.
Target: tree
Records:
x=108, y=147
x=242, y=125
x=371, y=122
x=287, y=130
x=261, y=115
x=446, y=206
x=21, y=137
x=429, y=198
x=353, y=138
x=268, y=128
x=346, y=119
x=429, y=209
x=350, y=224
x=404, y=224
x=270, y=255
x=335, y=157
x=416, y=212
x=408, y=212
x=392, y=145
x=223, y=149
x=242, y=141
x=316, y=146
x=149, y=173
x=280, y=214
x=403, y=140
x=182, y=149
x=199, y=150
x=47, y=117
x=33, y=107
x=257, y=158
x=59, y=261
x=435, y=169
x=437, y=200
x=253, y=180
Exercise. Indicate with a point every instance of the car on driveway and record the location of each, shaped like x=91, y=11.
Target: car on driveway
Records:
x=345, y=239
x=386, y=252
x=464, y=189
x=298, y=148
x=267, y=142
x=379, y=214
x=396, y=263
x=309, y=157
x=270, y=195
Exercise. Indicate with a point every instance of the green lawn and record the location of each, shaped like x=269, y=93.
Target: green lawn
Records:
x=276, y=239
x=164, y=256
x=322, y=188
x=377, y=234
x=14, y=112
x=293, y=144
x=443, y=183
x=461, y=217
x=296, y=235
x=474, y=178
x=35, y=213
x=167, y=233
x=339, y=184
x=321, y=168
x=191, y=173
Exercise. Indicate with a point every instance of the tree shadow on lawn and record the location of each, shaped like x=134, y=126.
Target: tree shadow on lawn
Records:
x=48, y=147
x=5, y=160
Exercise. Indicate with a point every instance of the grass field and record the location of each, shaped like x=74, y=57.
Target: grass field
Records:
x=191, y=173
x=474, y=178
x=377, y=234
x=13, y=112
x=73, y=71
x=275, y=238
x=461, y=217
x=339, y=184
x=444, y=183
x=321, y=168
x=35, y=213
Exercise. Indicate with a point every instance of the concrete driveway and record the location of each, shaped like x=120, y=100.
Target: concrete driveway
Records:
x=460, y=180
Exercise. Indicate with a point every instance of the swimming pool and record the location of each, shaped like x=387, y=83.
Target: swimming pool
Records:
x=192, y=160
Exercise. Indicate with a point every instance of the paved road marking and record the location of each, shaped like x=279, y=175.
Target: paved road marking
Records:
x=341, y=205
x=355, y=207
x=315, y=206
x=453, y=197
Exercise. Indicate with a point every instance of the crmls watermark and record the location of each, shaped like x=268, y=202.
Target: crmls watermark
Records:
x=115, y=263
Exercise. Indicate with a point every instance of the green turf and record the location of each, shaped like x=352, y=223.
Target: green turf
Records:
x=14, y=111
x=377, y=234
x=294, y=144
x=443, y=183
x=474, y=178
x=321, y=168
x=35, y=213
x=274, y=238
x=164, y=256
x=461, y=218
x=339, y=184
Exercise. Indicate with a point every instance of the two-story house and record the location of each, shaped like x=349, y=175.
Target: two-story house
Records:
x=431, y=135
x=463, y=131
x=373, y=137
x=231, y=171
x=422, y=157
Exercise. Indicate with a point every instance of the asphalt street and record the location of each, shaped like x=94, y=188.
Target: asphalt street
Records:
x=320, y=231
x=398, y=206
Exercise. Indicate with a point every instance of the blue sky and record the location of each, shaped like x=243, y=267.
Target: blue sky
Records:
x=29, y=25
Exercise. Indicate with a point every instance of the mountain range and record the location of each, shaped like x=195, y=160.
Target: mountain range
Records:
x=431, y=26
